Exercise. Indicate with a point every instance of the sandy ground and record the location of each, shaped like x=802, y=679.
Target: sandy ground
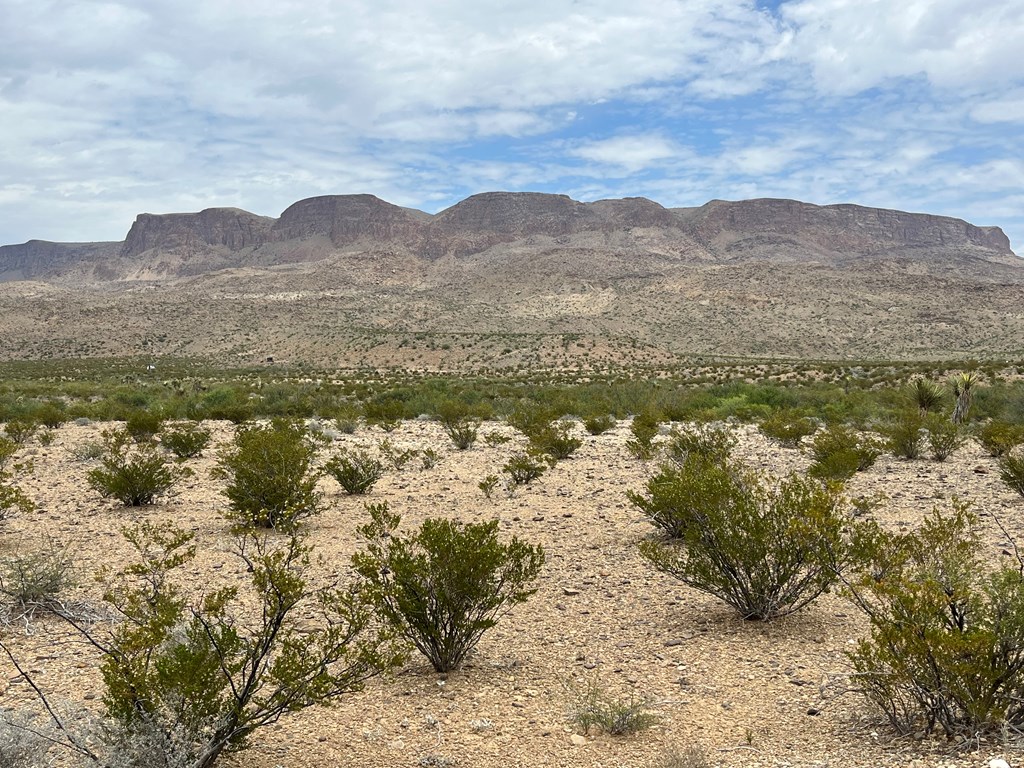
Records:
x=752, y=694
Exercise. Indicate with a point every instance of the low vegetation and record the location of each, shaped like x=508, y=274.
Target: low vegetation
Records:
x=944, y=650
x=189, y=675
x=446, y=584
x=765, y=548
x=133, y=474
x=270, y=474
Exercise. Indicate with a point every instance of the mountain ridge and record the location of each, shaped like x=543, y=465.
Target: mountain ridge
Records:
x=186, y=244
x=521, y=280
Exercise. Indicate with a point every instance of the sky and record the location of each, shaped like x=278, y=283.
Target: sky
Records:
x=109, y=109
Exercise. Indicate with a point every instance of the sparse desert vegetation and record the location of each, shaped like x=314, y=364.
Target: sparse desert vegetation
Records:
x=610, y=661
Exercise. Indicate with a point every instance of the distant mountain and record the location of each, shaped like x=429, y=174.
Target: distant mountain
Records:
x=352, y=278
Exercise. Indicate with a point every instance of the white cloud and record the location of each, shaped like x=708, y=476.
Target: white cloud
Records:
x=853, y=45
x=630, y=153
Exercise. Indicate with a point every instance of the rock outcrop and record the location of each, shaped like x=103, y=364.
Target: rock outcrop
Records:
x=349, y=219
x=189, y=233
x=40, y=259
x=775, y=231
x=759, y=226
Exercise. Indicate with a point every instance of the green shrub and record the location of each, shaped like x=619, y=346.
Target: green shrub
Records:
x=598, y=425
x=143, y=425
x=270, y=474
x=787, y=428
x=34, y=581
x=839, y=452
x=555, y=440
x=185, y=440
x=524, y=468
x=710, y=441
x=644, y=428
x=458, y=423
x=487, y=485
x=531, y=419
x=355, y=471
x=51, y=414
x=766, y=549
x=20, y=431
x=593, y=708
x=193, y=679
x=903, y=436
x=134, y=476
x=462, y=433
x=1000, y=437
x=1011, y=470
x=944, y=436
x=446, y=584
x=12, y=498
x=7, y=450
x=946, y=646
x=387, y=413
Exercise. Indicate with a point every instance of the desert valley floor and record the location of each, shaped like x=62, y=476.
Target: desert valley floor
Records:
x=751, y=694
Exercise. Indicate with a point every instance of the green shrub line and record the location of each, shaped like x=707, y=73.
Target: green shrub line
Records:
x=857, y=392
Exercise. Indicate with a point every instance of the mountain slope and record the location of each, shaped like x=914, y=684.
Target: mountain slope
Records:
x=506, y=279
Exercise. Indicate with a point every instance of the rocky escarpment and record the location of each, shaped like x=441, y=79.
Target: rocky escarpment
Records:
x=349, y=219
x=631, y=229
x=190, y=233
x=40, y=259
x=760, y=227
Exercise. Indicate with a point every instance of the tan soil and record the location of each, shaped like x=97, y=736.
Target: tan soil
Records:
x=743, y=690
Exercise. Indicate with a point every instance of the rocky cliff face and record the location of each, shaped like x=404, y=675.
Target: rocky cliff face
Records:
x=42, y=259
x=182, y=244
x=348, y=219
x=189, y=233
x=734, y=227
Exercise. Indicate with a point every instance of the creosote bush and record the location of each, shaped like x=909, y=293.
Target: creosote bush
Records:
x=355, y=471
x=598, y=425
x=903, y=435
x=555, y=440
x=644, y=428
x=395, y=456
x=765, y=548
x=7, y=450
x=839, y=452
x=787, y=428
x=446, y=584
x=944, y=437
x=1000, y=437
x=20, y=431
x=194, y=678
x=133, y=474
x=524, y=467
x=710, y=441
x=185, y=440
x=143, y=425
x=946, y=647
x=271, y=481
